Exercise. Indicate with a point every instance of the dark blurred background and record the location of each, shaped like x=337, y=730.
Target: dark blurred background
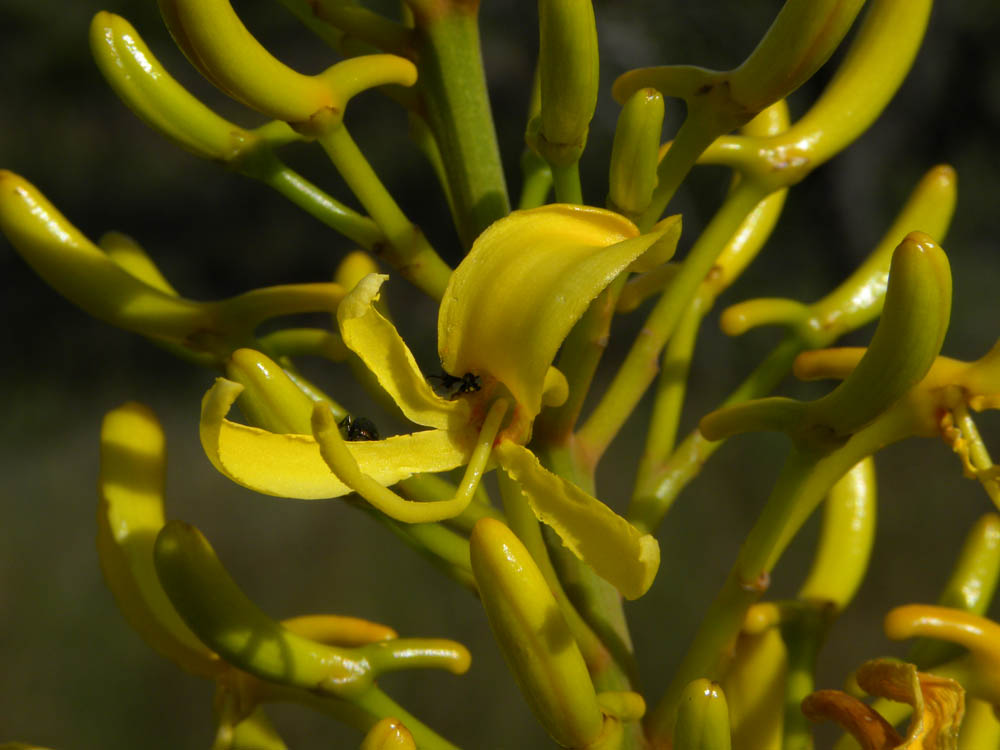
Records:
x=74, y=675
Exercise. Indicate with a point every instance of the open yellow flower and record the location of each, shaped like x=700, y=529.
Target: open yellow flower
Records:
x=505, y=312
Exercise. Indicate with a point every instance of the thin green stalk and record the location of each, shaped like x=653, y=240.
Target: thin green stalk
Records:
x=805, y=479
x=333, y=213
x=642, y=362
x=408, y=249
x=536, y=180
x=444, y=548
x=661, y=486
x=803, y=632
x=670, y=390
x=453, y=91
x=696, y=134
x=378, y=703
x=567, y=183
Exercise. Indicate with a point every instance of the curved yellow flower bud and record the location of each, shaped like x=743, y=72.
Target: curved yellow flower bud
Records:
x=634, y=154
x=388, y=734
x=754, y=681
x=270, y=400
x=980, y=669
x=129, y=517
x=846, y=538
x=217, y=43
x=908, y=338
x=560, y=257
x=873, y=68
x=702, y=718
x=568, y=70
x=859, y=298
x=801, y=39
x=160, y=101
x=970, y=587
x=534, y=637
x=78, y=270
x=106, y=289
x=215, y=608
x=905, y=345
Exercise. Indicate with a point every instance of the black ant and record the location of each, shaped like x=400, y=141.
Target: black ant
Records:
x=358, y=428
x=451, y=387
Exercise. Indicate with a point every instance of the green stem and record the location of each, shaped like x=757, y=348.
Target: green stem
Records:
x=696, y=134
x=807, y=476
x=642, y=362
x=441, y=546
x=670, y=390
x=536, y=180
x=381, y=705
x=408, y=249
x=660, y=487
x=803, y=632
x=567, y=183
x=453, y=91
x=333, y=213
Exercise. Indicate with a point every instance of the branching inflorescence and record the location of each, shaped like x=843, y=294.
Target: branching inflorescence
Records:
x=523, y=322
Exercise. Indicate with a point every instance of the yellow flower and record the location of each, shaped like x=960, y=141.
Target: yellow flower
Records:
x=505, y=312
x=938, y=706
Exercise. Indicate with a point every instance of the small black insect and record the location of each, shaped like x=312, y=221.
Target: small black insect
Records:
x=358, y=428
x=451, y=387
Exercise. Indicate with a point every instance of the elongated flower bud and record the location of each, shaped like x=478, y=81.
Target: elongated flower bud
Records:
x=569, y=72
x=908, y=338
x=801, y=39
x=388, y=734
x=270, y=399
x=152, y=93
x=634, y=156
x=534, y=637
x=215, y=40
x=225, y=619
x=702, y=718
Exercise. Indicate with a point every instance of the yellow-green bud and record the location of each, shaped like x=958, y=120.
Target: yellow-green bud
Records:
x=533, y=635
x=568, y=71
x=270, y=400
x=702, y=718
x=388, y=734
x=635, y=153
x=801, y=39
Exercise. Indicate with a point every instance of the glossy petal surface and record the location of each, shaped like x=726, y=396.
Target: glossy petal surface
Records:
x=375, y=340
x=528, y=278
x=613, y=547
x=291, y=465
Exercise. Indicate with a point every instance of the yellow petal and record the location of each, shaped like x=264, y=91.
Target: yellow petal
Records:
x=291, y=465
x=526, y=281
x=613, y=547
x=375, y=340
x=129, y=517
x=938, y=706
